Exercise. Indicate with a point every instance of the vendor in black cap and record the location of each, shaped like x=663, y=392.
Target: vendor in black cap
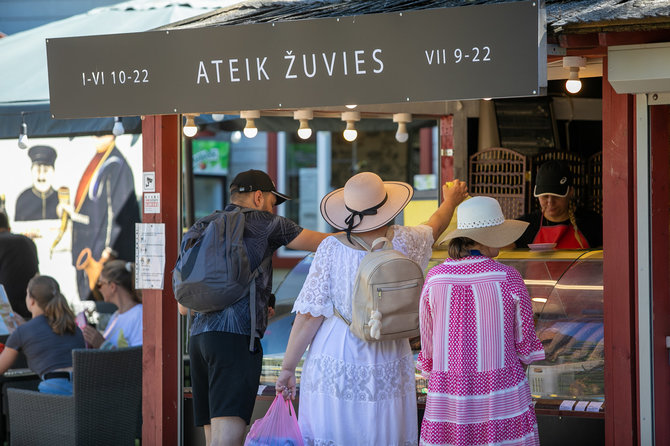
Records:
x=39, y=202
x=558, y=220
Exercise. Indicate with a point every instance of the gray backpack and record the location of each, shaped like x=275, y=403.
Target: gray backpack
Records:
x=212, y=271
x=387, y=291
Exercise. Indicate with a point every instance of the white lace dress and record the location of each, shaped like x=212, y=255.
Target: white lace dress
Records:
x=353, y=392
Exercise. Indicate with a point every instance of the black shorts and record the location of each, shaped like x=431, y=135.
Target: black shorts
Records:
x=224, y=376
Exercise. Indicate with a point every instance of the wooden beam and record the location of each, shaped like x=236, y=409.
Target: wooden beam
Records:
x=659, y=133
x=619, y=266
x=160, y=386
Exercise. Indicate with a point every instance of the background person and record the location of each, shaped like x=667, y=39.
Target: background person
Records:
x=47, y=339
x=354, y=392
x=558, y=221
x=39, y=202
x=477, y=331
x=224, y=373
x=18, y=264
x=124, y=328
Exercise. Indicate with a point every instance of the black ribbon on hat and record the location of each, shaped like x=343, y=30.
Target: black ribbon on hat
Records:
x=360, y=214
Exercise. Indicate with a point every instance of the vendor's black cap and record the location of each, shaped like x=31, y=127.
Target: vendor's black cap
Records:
x=252, y=180
x=42, y=155
x=553, y=178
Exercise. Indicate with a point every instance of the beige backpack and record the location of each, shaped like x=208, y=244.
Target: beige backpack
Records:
x=385, y=301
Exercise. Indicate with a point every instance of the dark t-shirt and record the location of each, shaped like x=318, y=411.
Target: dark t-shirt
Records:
x=18, y=264
x=45, y=351
x=264, y=233
x=589, y=223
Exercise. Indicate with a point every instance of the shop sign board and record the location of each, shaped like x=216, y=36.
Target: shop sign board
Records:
x=496, y=50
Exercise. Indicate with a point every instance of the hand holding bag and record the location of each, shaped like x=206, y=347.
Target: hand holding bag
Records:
x=279, y=426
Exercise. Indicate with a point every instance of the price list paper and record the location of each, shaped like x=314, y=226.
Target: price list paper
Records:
x=149, y=255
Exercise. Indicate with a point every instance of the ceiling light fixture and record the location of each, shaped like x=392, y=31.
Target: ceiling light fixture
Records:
x=304, y=132
x=350, y=132
x=250, y=129
x=351, y=106
x=574, y=63
x=118, y=129
x=190, y=129
x=402, y=119
x=23, y=134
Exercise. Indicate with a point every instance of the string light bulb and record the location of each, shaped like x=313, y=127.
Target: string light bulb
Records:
x=23, y=134
x=350, y=133
x=218, y=117
x=574, y=63
x=190, y=129
x=118, y=129
x=402, y=119
x=304, y=116
x=250, y=129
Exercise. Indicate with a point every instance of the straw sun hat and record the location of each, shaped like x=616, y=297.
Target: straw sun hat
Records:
x=481, y=219
x=365, y=203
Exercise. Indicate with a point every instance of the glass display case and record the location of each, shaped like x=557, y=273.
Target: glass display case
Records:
x=566, y=290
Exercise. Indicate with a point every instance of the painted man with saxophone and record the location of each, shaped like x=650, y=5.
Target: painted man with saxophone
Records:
x=103, y=213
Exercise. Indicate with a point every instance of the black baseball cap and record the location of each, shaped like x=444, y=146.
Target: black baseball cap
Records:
x=553, y=178
x=252, y=180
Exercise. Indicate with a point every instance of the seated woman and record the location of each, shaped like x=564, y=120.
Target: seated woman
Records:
x=558, y=220
x=47, y=339
x=125, y=326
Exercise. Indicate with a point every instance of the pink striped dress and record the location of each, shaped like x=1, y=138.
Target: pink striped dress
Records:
x=476, y=331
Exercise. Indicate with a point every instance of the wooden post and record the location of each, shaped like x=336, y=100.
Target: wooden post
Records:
x=160, y=387
x=619, y=266
x=425, y=150
x=659, y=134
x=446, y=150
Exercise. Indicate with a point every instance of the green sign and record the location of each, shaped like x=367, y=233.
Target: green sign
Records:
x=210, y=157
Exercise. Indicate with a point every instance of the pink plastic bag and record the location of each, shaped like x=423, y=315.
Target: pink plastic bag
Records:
x=279, y=426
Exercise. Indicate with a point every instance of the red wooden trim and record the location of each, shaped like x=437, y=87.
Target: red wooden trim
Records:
x=633, y=37
x=578, y=40
x=659, y=120
x=160, y=386
x=425, y=150
x=619, y=266
x=446, y=142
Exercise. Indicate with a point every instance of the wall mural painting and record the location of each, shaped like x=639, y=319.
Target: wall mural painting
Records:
x=76, y=198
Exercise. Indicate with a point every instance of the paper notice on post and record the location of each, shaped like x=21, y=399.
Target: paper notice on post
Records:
x=149, y=256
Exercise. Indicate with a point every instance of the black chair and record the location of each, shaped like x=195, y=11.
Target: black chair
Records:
x=105, y=408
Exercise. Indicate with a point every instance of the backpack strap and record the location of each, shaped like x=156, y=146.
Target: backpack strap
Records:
x=252, y=301
x=338, y=314
x=370, y=248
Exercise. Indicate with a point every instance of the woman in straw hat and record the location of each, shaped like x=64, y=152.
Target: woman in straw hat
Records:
x=476, y=333
x=353, y=392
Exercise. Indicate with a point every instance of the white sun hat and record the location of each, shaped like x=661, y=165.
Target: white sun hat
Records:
x=481, y=219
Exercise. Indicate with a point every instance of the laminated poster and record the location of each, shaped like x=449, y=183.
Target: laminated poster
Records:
x=149, y=255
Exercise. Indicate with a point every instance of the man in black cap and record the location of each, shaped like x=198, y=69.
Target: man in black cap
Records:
x=224, y=373
x=18, y=264
x=40, y=201
x=558, y=221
